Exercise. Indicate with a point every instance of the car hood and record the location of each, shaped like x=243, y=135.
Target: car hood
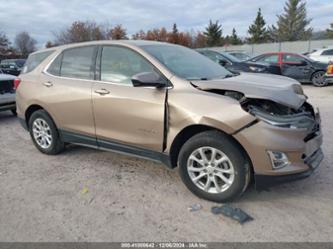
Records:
x=276, y=88
x=6, y=77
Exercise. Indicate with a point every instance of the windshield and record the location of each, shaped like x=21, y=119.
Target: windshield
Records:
x=186, y=63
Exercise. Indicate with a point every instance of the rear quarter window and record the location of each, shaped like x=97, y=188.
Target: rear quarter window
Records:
x=34, y=60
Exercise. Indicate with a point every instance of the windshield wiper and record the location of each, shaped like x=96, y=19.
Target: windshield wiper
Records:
x=197, y=78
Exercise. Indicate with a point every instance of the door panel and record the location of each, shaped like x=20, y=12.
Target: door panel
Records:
x=124, y=113
x=66, y=90
x=69, y=103
x=130, y=115
x=295, y=67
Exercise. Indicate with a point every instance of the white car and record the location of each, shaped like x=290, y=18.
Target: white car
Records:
x=324, y=55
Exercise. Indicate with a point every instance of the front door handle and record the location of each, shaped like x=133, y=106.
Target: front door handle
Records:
x=102, y=91
x=48, y=84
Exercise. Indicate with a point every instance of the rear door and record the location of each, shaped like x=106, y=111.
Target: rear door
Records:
x=296, y=67
x=125, y=114
x=66, y=92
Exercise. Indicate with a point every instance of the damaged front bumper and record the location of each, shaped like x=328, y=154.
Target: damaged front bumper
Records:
x=301, y=147
x=265, y=181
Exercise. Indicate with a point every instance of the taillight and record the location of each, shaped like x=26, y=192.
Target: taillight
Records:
x=330, y=69
x=17, y=82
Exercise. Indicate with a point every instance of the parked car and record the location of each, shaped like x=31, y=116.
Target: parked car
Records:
x=324, y=55
x=170, y=104
x=296, y=66
x=239, y=54
x=234, y=65
x=12, y=66
x=7, y=92
x=329, y=75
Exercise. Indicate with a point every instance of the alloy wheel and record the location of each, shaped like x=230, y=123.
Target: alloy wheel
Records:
x=42, y=133
x=210, y=170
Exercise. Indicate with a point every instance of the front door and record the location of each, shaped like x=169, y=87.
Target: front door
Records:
x=125, y=114
x=296, y=67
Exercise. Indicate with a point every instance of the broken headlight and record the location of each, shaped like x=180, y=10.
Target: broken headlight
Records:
x=301, y=120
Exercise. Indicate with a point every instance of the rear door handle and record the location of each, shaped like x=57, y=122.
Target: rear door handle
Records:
x=48, y=84
x=102, y=91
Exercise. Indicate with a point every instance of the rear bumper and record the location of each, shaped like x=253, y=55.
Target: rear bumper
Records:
x=7, y=101
x=265, y=181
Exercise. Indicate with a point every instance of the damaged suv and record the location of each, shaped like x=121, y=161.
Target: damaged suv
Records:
x=173, y=105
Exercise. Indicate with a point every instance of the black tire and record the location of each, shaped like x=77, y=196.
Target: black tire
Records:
x=315, y=81
x=56, y=145
x=14, y=112
x=231, y=149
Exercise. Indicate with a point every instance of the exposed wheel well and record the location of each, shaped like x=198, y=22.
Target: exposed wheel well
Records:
x=190, y=131
x=30, y=111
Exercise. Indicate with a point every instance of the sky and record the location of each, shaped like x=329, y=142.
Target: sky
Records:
x=41, y=18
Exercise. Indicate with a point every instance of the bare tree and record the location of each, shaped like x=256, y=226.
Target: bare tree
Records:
x=79, y=32
x=117, y=33
x=25, y=44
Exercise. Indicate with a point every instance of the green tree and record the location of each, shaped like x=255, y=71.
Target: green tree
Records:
x=293, y=24
x=213, y=34
x=234, y=39
x=173, y=37
x=329, y=32
x=258, y=31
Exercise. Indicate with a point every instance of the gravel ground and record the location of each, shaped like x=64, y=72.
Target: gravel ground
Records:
x=89, y=195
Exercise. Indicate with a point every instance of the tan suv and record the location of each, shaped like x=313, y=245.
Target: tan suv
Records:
x=173, y=105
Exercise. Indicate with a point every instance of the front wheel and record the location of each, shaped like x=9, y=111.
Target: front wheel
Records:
x=44, y=133
x=318, y=79
x=214, y=167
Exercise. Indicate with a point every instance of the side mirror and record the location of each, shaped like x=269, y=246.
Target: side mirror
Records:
x=148, y=79
x=222, y=62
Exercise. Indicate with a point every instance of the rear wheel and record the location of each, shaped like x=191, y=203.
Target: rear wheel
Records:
x=214, y=167
x=44, y=133
x=318, y=79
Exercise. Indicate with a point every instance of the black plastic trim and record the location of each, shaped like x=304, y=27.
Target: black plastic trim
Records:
x=23, y=123
x=70, y=137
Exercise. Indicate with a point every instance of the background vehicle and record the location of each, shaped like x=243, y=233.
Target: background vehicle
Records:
x=240, y=55
x=324, y=55
x=12, y=66
x=234, y=65
x=170, y=104
x=7, y=92
x=296, y=66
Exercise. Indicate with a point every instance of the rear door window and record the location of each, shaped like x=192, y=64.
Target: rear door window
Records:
x=327, y=52
x=292, y=59
x=34, y=60
x=78, y=62
x=272, y=58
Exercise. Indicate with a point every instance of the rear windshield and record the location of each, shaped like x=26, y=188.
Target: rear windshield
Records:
x=34, y=60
